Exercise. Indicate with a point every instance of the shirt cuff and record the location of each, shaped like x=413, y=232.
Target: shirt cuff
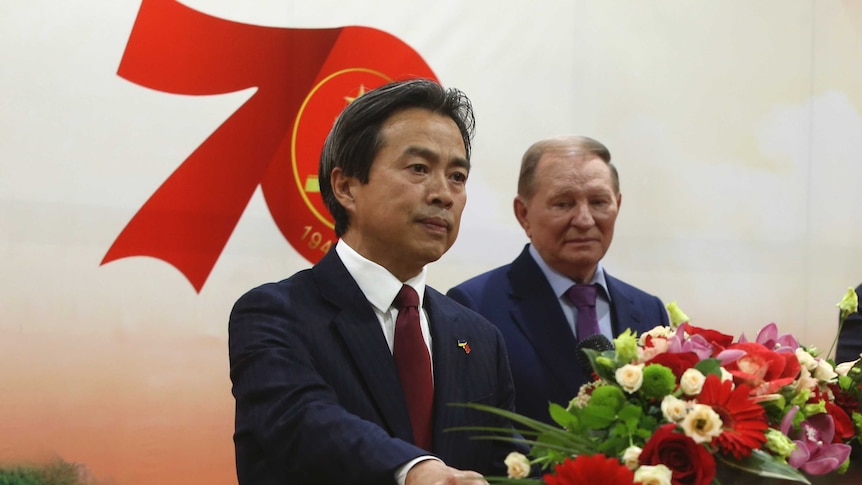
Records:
x=401, y=472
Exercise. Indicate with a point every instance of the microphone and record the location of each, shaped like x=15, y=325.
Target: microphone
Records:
x=597, y=342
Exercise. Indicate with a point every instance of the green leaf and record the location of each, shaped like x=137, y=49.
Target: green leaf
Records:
x=604, y=372
x=563, y=417
x=765, y=465
x=709, y=366
x=598, y=417
x=569, y=443
x=631, y=416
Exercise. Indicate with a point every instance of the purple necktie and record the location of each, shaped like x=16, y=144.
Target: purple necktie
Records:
x=414, y=366
x=584, y=299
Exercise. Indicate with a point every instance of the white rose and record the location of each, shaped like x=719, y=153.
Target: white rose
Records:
x=725, y=375
x=674, y=409
x=824, y=371
x=518, y=466
x=630, y=377
x=631, y=456
x=843, y=368
x=805, y=359
x=653, y=475
x=692, y=381
x=702, y=423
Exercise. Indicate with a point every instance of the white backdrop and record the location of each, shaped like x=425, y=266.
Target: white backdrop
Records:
x=735, y=126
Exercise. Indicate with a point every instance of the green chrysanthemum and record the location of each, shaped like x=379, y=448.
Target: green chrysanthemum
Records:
x=609, y=396
x=659, y=381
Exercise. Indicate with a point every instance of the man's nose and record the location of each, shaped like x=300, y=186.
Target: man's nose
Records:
x=439, y=191
x=582, y=216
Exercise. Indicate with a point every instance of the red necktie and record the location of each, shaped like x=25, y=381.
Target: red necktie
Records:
x=584, y=299
x=414, y=366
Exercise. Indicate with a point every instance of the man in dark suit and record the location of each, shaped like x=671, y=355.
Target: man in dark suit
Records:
x=567, y=203
x=850, y=338
x=331, y=384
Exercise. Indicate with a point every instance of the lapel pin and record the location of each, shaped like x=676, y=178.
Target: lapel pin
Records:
x=464, y=345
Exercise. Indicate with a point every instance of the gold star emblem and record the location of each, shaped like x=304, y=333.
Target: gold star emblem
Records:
x=350, y=99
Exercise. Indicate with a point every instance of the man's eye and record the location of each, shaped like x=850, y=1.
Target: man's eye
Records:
x=419, y=168
x=459, y=177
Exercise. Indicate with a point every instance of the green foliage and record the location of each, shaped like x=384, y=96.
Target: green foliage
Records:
x=709, y=366
x=765, y=465
x=602, y=363
x=57, y=472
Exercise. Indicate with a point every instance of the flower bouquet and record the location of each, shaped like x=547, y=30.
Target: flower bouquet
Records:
x=681, y=404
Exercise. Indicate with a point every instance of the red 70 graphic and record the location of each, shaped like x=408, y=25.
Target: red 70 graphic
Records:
x=302, y=76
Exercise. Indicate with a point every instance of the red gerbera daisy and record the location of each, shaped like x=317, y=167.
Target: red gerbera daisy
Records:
x=588, y=468
x=743, y=420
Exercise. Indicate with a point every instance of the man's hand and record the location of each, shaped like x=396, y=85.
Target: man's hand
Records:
x=435, y=472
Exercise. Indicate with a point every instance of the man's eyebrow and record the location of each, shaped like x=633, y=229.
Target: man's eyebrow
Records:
x=432, y=155
x=461, y=162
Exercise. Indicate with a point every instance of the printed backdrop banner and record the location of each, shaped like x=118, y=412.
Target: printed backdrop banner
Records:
x=297, y=72
x=158, y=159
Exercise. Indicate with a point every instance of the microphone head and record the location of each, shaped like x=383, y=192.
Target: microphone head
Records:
x=597, y=342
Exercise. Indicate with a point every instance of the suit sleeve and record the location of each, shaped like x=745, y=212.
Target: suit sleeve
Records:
x=462, y=297
x=662, y=312
x=288, y=419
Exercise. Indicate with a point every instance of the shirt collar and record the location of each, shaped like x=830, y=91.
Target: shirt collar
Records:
x=378, y=285
x=560, y=283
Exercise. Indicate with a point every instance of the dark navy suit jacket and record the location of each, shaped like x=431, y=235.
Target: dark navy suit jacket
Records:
x=518, y=299
x=850, y=338
x=318, y=398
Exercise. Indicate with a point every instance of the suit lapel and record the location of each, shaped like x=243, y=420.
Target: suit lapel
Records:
x=451, y=372
x=536, y=311
x=623, y=312
x=360, y=330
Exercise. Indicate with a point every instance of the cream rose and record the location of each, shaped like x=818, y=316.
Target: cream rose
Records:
x=517, y=465
x=657, y=331
x=805, y=381
x=843, y=368
x=630, y=457
x=805, y=359
x=824, y=371
x=725, y=375
x=674, y=409
x=692, y=381
x=702, y=423
x=630, y=377
x=653, y=475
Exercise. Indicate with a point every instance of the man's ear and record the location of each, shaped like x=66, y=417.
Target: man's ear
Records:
x=520, y=207
x=342, y=188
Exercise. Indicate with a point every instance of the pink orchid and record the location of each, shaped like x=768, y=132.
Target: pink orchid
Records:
x=769, y=338
x=815, y=452
x=695, y=343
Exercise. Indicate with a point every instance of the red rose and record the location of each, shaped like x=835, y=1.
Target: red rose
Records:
x=587, y=468
x=718, y=340
x=764, y=370
x=689, y=462
x=845, y=400
x=843, y=424
x=678, y=362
